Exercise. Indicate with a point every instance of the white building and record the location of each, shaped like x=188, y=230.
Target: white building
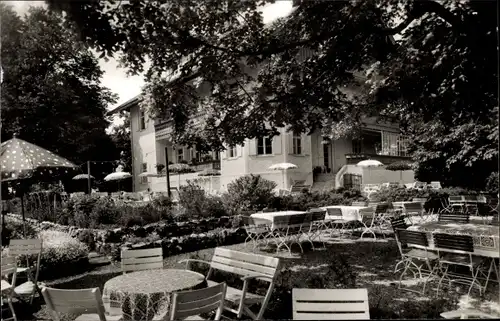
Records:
x=335, y=160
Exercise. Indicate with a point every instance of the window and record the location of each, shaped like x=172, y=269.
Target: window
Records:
x=216, y=155
x=356, y=146
x=264, y=146
x=231, y=152
x=180, y=155
x=297, y=144
x=142, y=119
x=144, y=180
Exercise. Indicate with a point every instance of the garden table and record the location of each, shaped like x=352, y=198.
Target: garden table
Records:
x=144, y=295
x=268, y=218
x=485, y=237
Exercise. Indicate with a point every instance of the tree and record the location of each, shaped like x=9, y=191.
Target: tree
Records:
x=51, y=90
x=120, y=135
x=307, y=65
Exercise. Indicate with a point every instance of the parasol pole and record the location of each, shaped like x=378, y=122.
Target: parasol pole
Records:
x=88, y=178
x=22, y=212
x=167, y=172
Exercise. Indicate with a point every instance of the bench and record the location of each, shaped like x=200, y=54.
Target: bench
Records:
x=249, y=267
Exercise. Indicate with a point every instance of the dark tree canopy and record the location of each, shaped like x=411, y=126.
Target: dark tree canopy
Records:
x=51, y=92
x=439, y=79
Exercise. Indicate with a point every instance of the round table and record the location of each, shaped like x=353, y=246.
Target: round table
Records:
x=144, y=295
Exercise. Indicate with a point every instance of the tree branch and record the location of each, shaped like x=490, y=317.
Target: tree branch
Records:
x=420, y=8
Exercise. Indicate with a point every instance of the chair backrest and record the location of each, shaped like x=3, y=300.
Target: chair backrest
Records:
x=399, y=222
x=137, y=260
x=9, y=265
x=334, y=213
x=382, y=208
x=435, y=185
x=289, y=220
x=330, y=304
x=453, y=242
x=470, y=198
x=454, y=217
x=192, y=303
x=317, y=214
x=25, y=247
x=494, y=220
x=83, y=301
x=413, y=207
x=358, y=203
x=412, y=237
x=419, y=199
x=456, y=199
x=244, y=264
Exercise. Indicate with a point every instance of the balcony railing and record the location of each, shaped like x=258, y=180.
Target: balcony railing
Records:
x=353, y=159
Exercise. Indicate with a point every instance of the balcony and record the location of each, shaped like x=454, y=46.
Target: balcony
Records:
x=353, y=159
x=200, y=166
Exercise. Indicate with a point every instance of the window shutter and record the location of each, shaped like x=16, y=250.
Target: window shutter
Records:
x=305, y=141
x=224, y=154
x=252, y=147
x=239, y=151
x=289, y=140
x=277, y=144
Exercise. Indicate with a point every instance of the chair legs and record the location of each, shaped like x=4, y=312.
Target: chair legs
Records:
x=443, y=268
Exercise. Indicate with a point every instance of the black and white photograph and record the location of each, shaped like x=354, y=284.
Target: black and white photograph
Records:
x=249, y=160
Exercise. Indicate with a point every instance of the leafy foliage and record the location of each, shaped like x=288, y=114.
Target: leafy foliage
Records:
x=120, y=135
x=197, y=204
x=52, y=79
x=249, y=192
x=222, y=75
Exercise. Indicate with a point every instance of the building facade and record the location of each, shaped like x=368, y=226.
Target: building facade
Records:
x=321, y=164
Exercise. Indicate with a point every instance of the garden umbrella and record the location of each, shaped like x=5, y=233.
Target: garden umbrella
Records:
x=83, y=176
x=21, y=160
x=118, y=175
x=400, y=166
x=282, y=167
x=369, y=163
x=179, y=168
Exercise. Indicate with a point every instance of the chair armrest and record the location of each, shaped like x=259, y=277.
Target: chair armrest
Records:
x=193, y=260
x=257, y=276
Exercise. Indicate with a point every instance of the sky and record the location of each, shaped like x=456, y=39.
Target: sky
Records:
x=127, y=87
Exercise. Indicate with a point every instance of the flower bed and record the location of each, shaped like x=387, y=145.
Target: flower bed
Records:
x=62, y=255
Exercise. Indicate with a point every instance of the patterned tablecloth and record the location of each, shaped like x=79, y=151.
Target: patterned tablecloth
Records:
x=486, y=237
x=145, y=295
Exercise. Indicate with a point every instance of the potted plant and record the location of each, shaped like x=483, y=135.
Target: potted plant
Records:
x=159, y=168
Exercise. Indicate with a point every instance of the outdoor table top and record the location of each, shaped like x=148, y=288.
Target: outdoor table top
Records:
x=485, y=237
x=146, y=294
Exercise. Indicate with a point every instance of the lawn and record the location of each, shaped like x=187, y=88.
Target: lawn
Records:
x=345, y=263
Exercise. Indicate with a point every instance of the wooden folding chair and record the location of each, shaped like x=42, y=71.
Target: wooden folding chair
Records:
x=28, y=248
x=409, y=256
x=138, y=260
x=316, y=227
x=288, y=231
x=9, y=267
x=330, y=304
x=192, y=303
x=454, y=217
x=255, y=232
x=86, y=303
x=457, y=250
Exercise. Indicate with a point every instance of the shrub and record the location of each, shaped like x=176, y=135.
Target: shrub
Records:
x=492, y=183
x=249, y=192
x=197, y=204
x=13, y=229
